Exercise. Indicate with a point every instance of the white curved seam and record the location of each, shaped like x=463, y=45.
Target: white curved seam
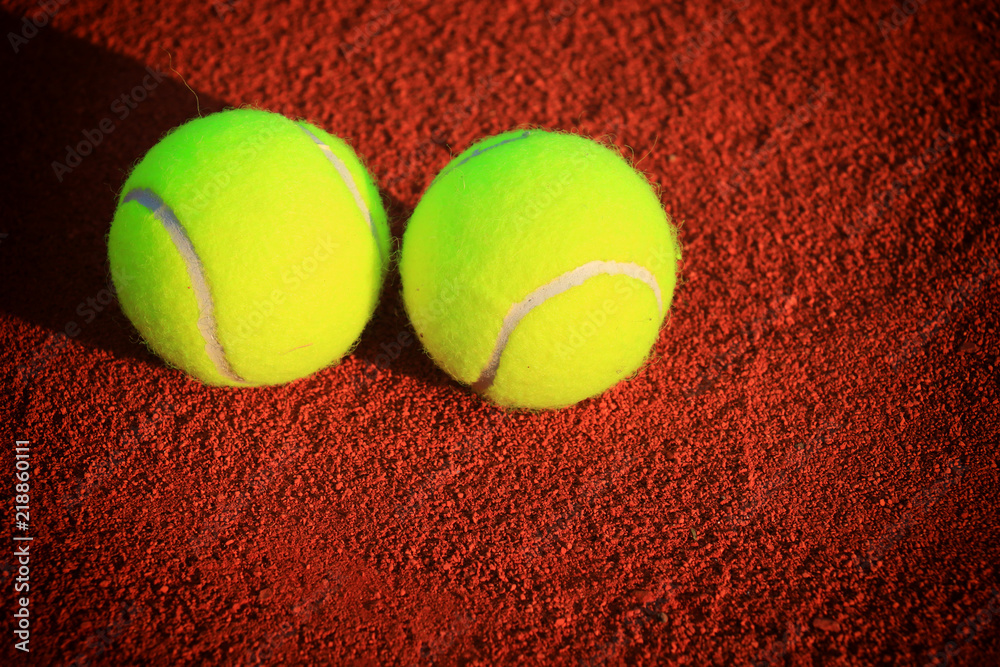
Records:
x=345, y=176
x=199, y=283
x=479, y=151
x=570, y=279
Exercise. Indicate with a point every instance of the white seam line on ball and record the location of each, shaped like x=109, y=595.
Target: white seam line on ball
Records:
x=479, y=151
x=206, y=306
x=345, y=175
x=564, y=282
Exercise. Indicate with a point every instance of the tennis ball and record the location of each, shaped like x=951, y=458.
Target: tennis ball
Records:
x=538, y=267
x=249, y=249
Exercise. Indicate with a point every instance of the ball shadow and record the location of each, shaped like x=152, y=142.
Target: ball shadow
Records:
x=389, y=342
x=78, y=118
x=84, y=116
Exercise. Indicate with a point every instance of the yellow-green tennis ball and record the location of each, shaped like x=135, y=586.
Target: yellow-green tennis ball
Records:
x=249, y=249
x=538, y=268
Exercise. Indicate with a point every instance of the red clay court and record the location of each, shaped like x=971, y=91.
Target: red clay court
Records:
x=804, y=474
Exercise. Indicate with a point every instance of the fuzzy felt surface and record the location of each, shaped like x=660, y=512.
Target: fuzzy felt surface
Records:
x=807, y=474
x=515, y=213
x=293, y=269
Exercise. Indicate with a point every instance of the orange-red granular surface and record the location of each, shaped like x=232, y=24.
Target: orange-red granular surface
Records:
x=806, y=472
